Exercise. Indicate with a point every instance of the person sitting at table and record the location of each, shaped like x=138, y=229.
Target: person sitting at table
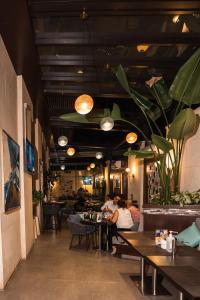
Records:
x=134, y=210
x=111, y=205
x=123, y=221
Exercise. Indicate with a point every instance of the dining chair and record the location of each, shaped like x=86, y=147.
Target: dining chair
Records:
x=80, y=230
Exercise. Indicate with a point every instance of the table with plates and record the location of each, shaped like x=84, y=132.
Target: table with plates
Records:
x=99, y=222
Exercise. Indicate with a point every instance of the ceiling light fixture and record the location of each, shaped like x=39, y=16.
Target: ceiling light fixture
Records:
x=107, y=123
x=84, y=104
x=62, y=167
x=176, y=19
x=80, y=71
x=70, y=151
x=88, y=168
x=142, y=48
x=84, y=15
x=92, y=165
x=99, y=155
x=62, y=141
x=131, y=137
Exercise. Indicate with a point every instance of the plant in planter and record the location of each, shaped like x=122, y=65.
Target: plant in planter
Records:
x=37, y=196
x=167, y=149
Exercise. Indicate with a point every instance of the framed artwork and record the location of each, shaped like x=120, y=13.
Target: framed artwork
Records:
x=11, y=171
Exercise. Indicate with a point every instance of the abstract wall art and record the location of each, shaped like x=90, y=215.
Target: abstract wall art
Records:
x=11, y=173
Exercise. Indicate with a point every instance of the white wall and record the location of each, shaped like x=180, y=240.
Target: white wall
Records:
x=16, y=227
x=10, y=223
x=26, y=212
x=135, y=179
x=190, y=172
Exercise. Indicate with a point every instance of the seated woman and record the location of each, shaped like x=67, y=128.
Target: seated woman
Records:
x=123, y=220
x=135, y=213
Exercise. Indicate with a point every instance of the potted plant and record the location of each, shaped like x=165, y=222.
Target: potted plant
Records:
x=167, y=148
x=37, y=197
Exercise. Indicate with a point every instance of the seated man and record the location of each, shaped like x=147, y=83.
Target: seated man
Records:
x=111, y=204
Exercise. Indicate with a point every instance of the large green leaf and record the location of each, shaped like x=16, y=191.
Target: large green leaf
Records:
x=147, y=106
x=94, y=116
x=183, y=125
x=116, y=113
x=186, y=85
x=121, y=76
x=159, y=90
x=161, y=143
x=74, y=117
x=140, y=153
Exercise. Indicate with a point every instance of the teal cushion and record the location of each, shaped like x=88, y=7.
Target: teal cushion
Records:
x=190, y=236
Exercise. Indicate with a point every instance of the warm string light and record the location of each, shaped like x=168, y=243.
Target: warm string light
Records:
x=84, y=104
x=62, y=141
x=99, y=155
x=70, y=151
x=62, y=167
x=107, y=123
x=92, y=165
x=131, y=137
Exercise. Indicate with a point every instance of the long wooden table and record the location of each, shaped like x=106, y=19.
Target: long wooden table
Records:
x=183, y=271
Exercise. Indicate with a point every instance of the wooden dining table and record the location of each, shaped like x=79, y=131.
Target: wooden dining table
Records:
x=182, y=270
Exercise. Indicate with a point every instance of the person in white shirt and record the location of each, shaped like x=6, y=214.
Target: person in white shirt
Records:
x=111, y=204
x=123, y=220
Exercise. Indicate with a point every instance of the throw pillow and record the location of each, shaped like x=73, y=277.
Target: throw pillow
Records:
x=190, y=236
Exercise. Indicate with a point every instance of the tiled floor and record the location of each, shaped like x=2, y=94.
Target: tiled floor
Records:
x=53, y=272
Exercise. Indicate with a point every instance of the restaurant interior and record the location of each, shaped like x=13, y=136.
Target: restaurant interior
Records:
x=99, y=149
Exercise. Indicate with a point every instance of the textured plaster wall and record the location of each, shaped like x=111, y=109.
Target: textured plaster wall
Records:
x=16, y=228
x=190, y=173
x=9, y=223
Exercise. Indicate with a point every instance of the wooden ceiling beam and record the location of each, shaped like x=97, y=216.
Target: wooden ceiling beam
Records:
x=94, y=77
x=115, y=38
x=71, y=92
x=140, y=61
x=113, y=8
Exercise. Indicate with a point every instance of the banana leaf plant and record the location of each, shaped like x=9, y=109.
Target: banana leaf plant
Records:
x=167, y=150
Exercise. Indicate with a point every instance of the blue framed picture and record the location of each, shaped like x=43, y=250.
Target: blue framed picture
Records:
x=11, y=173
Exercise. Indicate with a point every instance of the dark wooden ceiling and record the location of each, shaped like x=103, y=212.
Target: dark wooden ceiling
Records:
x=108, y=37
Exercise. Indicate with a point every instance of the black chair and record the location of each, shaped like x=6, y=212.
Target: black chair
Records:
x=51, y=216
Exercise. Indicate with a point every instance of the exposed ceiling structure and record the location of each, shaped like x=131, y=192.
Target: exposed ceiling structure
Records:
x=81, y=43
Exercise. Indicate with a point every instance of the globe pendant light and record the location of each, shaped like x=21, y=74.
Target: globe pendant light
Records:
x=107, y=124
x=92, y=165
x=88, y=168
x=62, y=141
x=131, y=137
x=70, y=151
x=99, y=155
x=84, y=104
x=62, y=167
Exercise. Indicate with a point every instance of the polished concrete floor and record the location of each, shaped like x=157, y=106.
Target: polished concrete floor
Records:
x=53, y=272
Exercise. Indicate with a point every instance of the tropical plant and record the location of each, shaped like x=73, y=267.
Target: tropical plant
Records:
x=167, y=149
x=37, y=196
